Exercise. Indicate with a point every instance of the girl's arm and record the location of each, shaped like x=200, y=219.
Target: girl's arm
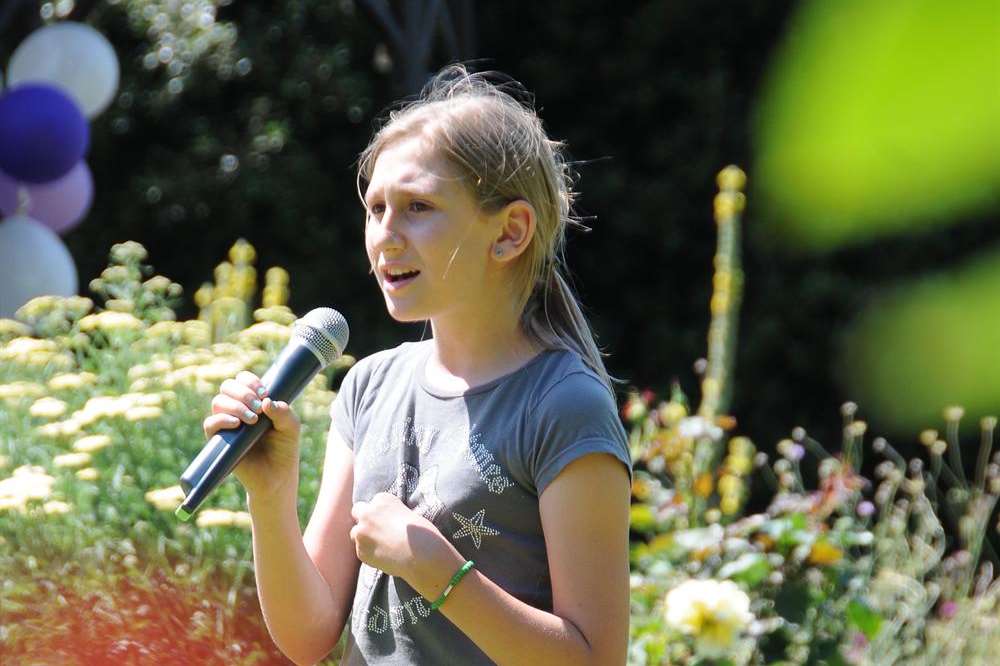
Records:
x=585, y=517
x=306, y=583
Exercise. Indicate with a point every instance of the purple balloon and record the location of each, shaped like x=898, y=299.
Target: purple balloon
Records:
x=43, y=133
x=59, y=205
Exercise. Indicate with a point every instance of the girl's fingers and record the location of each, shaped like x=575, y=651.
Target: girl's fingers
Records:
x=280, y=414
x=242, y=392
x=252, y=382
x=216, y=422
x=224, y=404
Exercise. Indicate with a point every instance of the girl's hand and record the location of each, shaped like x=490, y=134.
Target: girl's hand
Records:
x=391, y=537
x=273, y=462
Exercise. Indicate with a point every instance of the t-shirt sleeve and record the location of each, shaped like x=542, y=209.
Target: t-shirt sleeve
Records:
x=343, y=409
x=576, y=416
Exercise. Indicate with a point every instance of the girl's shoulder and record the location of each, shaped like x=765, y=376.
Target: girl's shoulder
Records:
x=562, y=374
x=385, y=363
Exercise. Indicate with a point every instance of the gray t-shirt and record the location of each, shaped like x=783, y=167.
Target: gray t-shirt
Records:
x=474, y=464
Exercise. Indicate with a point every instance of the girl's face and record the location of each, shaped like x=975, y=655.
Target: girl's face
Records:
x=427, y=240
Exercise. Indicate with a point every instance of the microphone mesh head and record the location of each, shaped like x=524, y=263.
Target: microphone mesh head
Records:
x=325, y=331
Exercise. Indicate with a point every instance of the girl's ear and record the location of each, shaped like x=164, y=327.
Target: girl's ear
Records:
x=517, y=225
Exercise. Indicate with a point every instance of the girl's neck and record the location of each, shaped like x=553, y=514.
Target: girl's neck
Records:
x=472, y=353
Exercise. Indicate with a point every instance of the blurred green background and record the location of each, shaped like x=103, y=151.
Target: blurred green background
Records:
x=868, y=132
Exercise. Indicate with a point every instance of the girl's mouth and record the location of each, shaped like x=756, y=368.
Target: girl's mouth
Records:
x=396, y=282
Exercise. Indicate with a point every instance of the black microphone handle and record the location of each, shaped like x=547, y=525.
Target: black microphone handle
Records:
x=290, y=373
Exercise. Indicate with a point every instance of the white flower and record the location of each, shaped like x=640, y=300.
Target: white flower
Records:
x=91, y=443
x=710, y=611
x=48, y=408
x=87, y=474
x=698, y=426
x=56, y=507
x=222, y=517
x=72, y=381
x=165, y=499
x=27, y=482
x=143, y=413
x=72, y=460
x=17, y=390
x=109, y=320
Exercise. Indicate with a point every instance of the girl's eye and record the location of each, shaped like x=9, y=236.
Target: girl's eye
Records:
x=376, y=210
x=419, y=207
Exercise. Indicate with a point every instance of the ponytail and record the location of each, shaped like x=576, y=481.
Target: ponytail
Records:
x=554, y=319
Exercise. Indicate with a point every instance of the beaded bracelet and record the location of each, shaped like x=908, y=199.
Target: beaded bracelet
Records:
x=452, y=583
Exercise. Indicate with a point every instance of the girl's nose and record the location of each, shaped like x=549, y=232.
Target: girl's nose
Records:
x=385, y=238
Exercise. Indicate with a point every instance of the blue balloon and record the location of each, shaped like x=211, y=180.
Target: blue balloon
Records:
x=43, y=133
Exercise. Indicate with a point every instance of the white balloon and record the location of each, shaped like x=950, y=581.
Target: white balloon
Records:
x=74, y=57
x=33, y=262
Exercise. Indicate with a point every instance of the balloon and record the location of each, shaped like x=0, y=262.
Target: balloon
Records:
x=59, y=205
x=42, y=133
x=74, y=57
x=33, y=262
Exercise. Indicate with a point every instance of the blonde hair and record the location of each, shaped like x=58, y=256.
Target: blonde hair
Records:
x=502, y=152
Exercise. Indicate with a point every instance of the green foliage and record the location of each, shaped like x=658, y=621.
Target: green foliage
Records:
x=891, y=130
x=100, y=415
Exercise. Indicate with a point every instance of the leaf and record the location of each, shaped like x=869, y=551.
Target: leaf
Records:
x=864, y=617
x=792, y=601
x=749, y=568
x=891, y=128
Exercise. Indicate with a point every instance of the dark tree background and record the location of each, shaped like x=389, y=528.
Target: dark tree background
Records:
x=653, y=99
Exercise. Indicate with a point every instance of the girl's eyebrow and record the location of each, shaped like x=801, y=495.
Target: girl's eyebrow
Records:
x=406, y=190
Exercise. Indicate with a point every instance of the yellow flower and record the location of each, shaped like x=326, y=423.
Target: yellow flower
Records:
x=714, y=613
x=48, y=408
x=703, y=485
x=823, y=552
x=56, y=507
x=87, y=474
x=265, y=332
x=166, y=330
x=13, y=329
x=739, y=464
x=72, y=381
x=70, y=426
x=276, y=313
x=143, y=413
x=730, y=505
x=58, y=360
x=165, y=499
x=954, y=413
x=730, y=485
x=71, y=460
x=928, y=437
x=17, y=390
x=109, y=320
x=219, y=370
x=672, y=412
x=20, y=348
x=91, y=443
x=222, y=517
x=156, y=367
x=197, y=332
x=27, y=482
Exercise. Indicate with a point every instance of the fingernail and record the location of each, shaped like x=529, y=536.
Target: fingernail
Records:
x=261, y=391
x=250, y=415
x=255, y=405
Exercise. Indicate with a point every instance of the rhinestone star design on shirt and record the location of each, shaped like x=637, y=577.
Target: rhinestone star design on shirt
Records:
x=474, y=527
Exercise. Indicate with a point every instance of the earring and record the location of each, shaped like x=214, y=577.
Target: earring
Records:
x=498, y=251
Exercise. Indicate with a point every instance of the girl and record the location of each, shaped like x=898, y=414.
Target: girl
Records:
x=474, y=504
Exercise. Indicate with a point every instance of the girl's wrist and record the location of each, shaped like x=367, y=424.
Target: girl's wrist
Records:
x=433, y=571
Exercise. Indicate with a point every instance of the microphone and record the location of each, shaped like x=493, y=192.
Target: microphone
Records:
x=317, y=340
